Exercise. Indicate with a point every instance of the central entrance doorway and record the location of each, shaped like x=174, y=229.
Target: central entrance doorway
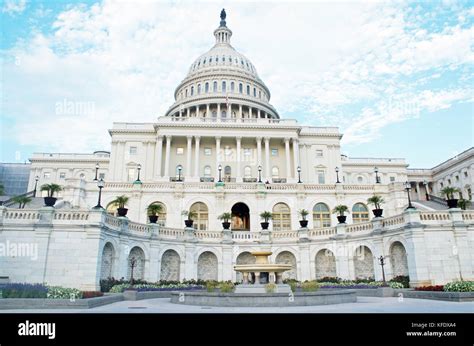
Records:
x=240, y=217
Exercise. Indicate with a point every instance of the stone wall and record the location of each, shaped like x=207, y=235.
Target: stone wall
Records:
x=207, y=266
x=364, y=263
x=325, y=264
x=287, y=257
x=170, y=263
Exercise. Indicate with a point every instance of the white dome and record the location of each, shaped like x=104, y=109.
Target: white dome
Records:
x=222, y=78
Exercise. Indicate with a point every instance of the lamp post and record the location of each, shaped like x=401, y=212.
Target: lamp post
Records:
x=36, y=185
x=299, y=174
x=220, y=173
x=139, y=167
x=381, y=260
x=427, y=194
x=337, y=175
x=376, y=170
x=96, y=170
x=133, y=264
x=408, y=188
x=100, y=185
x=179, y=172
x=259, y=174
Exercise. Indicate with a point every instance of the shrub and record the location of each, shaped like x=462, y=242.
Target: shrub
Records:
x=23, y=290
x=91, y=294
x=404, y=280
x=211, y=285
x=329, y=279
x=310, y=286
x=430, y=288
x=57, y=292
x=270, y=288
x=396, y=285
x=226, y=287
x=119, y=288
x=459, y=286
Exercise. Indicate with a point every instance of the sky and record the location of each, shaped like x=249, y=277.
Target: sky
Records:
x=396, y=77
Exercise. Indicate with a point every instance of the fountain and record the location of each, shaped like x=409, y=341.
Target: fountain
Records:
x=253, y=280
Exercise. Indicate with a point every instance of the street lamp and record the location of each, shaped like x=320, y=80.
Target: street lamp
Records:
x=376, y=170
x=427, y=194
x=220, y=173
x=96, y=170
x=408, y=188
x=299, y=174
x=382, y=262
x=179, y=172
x=36, y=185
x=259, y=174
x=133, y=264
x=139, y=167
x=337, y=175
x=100, y=185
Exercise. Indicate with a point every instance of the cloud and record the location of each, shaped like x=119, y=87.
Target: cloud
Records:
x=13, y=7
x=343, y=64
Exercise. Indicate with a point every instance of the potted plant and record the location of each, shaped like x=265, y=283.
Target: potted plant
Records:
x=121, y=201
x=191, y=214
x=225, y=217
x=49, y=201
x=449, y=192
x=340, y=209
x=21, y=200
x=266, y=216
x=303, y=213
x=376, y=201
x=153, y=211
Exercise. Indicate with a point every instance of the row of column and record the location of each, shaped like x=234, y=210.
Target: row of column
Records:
x=267, y=174
x=187, y=111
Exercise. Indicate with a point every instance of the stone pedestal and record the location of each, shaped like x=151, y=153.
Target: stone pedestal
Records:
x=259, y=288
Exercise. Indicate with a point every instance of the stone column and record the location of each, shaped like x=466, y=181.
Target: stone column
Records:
x=268, y=174
x=218, y=110
x=196, y=158
x=188, y=111
x=250, y=112
x=288, y=159
x=218, y=156
x=208, y=112
x=240, y=112
x=418, y=192
x=167, y=157
x=258, y=113
x=296, y=156
x=239, y=171
x=159, y=154
x=188, y=169
x=259, y=151
x=197, y=111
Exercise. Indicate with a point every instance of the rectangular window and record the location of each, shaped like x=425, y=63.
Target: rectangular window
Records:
x=47, y=175
x=180, y=151
x=392, y=179
x=101, y=175
x=62, y=175
x=274, y=152
x=319, y=153
x=133, y=150
x=131, y=174
x=321, y=177
x=207, y=151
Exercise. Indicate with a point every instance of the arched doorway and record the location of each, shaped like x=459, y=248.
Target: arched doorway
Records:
x=137, y=258
x=207, y=266
x=107, y=264
x=240, y=217
x=170, y=262
x=325, y=264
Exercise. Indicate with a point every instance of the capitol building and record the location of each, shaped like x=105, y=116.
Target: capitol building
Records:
x=222, y=147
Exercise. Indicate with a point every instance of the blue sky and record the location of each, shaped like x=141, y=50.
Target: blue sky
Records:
x=396, y=77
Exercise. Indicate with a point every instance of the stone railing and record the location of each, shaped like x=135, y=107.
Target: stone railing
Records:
x=209, y=235
x=322, y=232
x=21, y=215
x=284, y=235
x=245, y=236
x=71, y=215
x=111, y=221
x=360, y=227
x=138, y=227
x=468, y=215
x=434, y=217
x=393, y=222
x=171, y=233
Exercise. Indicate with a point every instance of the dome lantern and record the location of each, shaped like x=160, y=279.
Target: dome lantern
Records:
x=223, y=33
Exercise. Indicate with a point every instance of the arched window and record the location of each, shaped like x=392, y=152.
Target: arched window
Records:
x=192, y=90
x=224, y=86
x=232, y=86
x=259, y=94
x=360, y=180
x=223, y=114
x=254, y=92
x=281, y=217
x=227, y=173
x=186, y=93
x=206, y=88
x=161, y=215
x=207, y=171
x=275, y=172
x=248, y=89
x=199, y=88
x=360, y=213
x=214, y=114
x=248, y=172
x=214, y=87
x=202, y=214
x=241, y=88
x=321, y=216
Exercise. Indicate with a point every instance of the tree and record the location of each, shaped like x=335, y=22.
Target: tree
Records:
x=303, y=213
x=449, y=192
x=376, y=201
x=121, y=201
x=2, y=190
x=266, y=215
x=225, y=217
x=21, y=200
x=51, y=189
x=154, y=209
x=191, y=214
x=340, y=209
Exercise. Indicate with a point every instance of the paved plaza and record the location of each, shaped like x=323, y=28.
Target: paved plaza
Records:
x=363, y=305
